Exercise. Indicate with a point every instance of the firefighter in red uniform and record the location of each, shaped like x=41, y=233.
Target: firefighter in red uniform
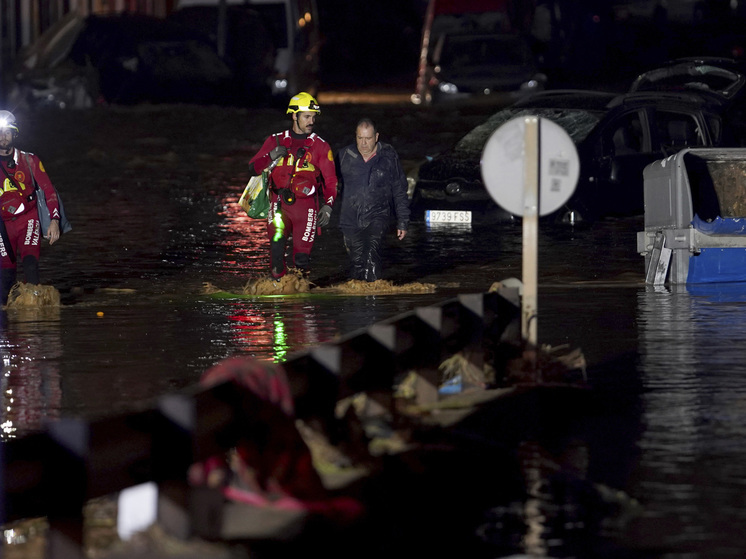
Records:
x=303, y=185
x=19, y=228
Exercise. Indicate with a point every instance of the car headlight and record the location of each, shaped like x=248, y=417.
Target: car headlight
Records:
x=411, y=184
x=448, y=88
x=453, y=188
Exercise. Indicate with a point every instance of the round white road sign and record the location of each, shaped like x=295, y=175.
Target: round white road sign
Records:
x=503, y=165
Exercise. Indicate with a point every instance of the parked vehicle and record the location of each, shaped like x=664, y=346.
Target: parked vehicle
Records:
x=463, y=65
x=458, y=18
x=117, y=59
x=616, y=137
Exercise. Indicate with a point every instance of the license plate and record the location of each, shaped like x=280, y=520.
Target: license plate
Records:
x=447, y=216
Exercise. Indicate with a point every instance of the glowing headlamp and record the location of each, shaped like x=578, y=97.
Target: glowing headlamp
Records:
x=6, y=124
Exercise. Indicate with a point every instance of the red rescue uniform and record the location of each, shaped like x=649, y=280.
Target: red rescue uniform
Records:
x=300, y=184
x=18, y=206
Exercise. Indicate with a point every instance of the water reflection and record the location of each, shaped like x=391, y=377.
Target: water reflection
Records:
x=271, y=330
x=563, y=514
x=243, y=240
x=272, y=327
x=693, y=462
x=561, y=505
x=30, y=347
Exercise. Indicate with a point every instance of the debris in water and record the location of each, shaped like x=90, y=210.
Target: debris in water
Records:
x=26, y=295
x=546, y=364
x=462, y=366
x=210, y=288
x=292, y=282
x=381, y=286
x=295, y=282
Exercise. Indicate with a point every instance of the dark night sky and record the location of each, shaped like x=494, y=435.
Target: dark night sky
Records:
x=377, y=42
x=370, y=42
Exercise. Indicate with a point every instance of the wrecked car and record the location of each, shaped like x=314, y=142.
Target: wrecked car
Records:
x=723, y=79
x=464, y=65
x=121, y=59
x=616, y=137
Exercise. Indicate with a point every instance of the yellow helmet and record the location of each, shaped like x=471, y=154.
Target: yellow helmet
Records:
x=303, y=102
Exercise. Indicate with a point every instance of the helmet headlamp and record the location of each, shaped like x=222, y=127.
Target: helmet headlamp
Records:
x=8, y=121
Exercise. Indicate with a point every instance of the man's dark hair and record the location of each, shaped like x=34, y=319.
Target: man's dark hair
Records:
x=366, y=122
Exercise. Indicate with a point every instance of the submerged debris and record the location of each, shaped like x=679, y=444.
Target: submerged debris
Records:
x=26, y=295
x=296, y=282
x=209, y=288
x=460, y=366
x=292, y=282
x=547, y=365
x=382, y=286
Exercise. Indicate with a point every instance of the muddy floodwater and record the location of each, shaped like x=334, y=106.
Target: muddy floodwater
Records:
x=657, y=470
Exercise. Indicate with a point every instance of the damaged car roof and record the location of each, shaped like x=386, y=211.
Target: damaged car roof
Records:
x=722, y=77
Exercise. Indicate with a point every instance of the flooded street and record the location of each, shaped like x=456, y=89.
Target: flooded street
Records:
x=151, y=193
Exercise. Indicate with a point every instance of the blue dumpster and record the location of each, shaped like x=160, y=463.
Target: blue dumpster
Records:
x=695, y=217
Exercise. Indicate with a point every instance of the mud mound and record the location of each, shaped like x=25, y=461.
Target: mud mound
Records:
x=292, y=282
x=381, y=286
x=28, y=296
x=210, y=288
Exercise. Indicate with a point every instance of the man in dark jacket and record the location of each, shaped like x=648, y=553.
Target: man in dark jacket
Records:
x=374, y=189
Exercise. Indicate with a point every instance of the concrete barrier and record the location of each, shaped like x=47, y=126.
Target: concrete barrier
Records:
x=54, y=473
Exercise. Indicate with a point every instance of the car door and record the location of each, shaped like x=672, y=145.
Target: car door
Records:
x=632, y=140
x=622, y=150
x=675, y=130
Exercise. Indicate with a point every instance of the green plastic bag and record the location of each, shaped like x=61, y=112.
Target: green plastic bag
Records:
x=255, y=199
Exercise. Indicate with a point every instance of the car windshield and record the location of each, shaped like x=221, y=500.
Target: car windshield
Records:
x=577, y=123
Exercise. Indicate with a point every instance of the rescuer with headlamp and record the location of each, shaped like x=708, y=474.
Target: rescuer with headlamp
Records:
x=20, y=231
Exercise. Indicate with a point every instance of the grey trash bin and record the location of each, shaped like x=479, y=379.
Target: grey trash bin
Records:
x=695, y=217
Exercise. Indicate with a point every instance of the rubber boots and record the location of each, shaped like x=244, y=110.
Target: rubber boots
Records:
x=7, y=280
x=277, y=258
x=31, y=269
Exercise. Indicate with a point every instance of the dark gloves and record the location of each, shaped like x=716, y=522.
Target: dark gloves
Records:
x=325, y=214
x=278, y=152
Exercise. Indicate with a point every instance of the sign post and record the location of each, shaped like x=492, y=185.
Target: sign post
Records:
x=529, y=303
x=530, y=167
